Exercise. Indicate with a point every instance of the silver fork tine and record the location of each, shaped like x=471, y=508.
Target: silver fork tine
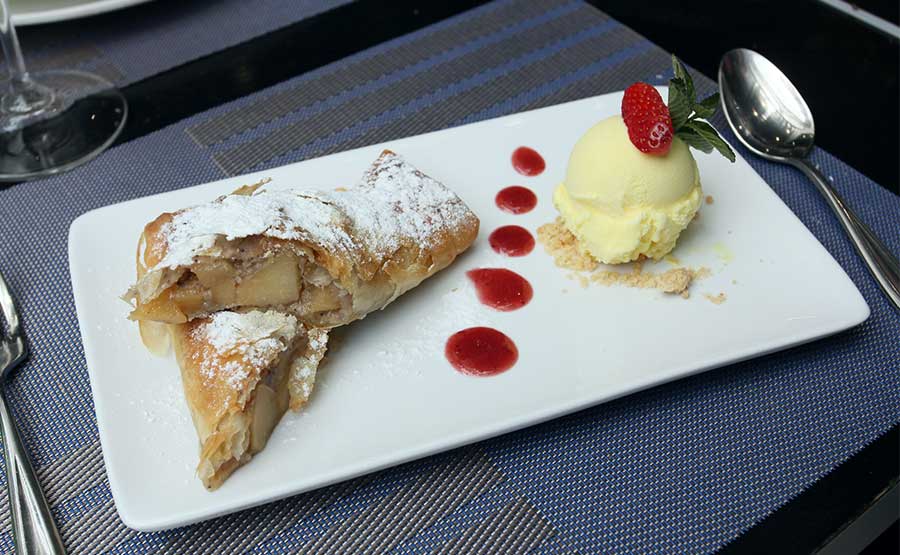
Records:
x=8, y=306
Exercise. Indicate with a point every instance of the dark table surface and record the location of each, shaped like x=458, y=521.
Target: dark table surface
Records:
x=847, y=71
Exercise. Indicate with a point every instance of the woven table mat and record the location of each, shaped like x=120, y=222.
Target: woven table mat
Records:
x=681, y=468
x=128, y=45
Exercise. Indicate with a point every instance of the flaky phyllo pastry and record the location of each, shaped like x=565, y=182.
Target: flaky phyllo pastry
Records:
x=245, y=288
x=240, y=372
x=327, y=257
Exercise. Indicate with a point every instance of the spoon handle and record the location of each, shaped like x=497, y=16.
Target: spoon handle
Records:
x=881, y=263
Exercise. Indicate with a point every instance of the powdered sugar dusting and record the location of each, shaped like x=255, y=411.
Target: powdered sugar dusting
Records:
x=408, y=350
x=393, y=204
x=250, y=341
x=279, y=214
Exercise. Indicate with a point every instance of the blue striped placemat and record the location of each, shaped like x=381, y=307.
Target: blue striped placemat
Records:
x=681, y=468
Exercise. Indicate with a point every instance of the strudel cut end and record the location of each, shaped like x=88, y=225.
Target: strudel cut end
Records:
x=240, y=373
x=328, y=257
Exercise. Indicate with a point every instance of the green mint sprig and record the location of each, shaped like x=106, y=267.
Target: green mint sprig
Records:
x=687, y=114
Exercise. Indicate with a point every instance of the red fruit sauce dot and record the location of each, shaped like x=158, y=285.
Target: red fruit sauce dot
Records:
x=481, y=351
x=527, y=161
x=516, y=199
x=501, y=289
x=511, y=240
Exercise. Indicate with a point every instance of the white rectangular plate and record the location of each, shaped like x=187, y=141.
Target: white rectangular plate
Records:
x=387, y=394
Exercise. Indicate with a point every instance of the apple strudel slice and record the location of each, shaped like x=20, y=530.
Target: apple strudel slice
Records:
x=327, y=257
x=241, y=371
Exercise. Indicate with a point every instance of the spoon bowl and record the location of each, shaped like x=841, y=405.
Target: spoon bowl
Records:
x=765, y=110
x=769, y=116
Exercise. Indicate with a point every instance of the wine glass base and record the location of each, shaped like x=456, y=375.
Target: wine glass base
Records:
x=84, y=117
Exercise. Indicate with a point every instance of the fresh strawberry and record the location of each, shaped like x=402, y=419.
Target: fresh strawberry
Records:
x=652, y=133
x=647, y=118
x=641, y=98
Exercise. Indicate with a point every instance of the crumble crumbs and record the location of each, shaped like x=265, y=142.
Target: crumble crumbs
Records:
x=580, y=278
x=559, y=243
x=716, y=299
x=563, y=247
x=709, y=199
x=676, y=281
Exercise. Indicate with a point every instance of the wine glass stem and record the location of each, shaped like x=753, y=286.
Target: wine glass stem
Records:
x=24, y=95
x=14, y=60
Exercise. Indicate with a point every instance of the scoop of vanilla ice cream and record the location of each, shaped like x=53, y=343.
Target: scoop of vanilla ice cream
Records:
x=621, y=203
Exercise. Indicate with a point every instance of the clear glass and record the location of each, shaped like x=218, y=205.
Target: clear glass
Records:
x=52, y=121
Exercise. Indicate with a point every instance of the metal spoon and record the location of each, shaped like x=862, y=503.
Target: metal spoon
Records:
x=770, y=117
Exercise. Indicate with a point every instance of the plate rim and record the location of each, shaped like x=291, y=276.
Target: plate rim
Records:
x=76, y=10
